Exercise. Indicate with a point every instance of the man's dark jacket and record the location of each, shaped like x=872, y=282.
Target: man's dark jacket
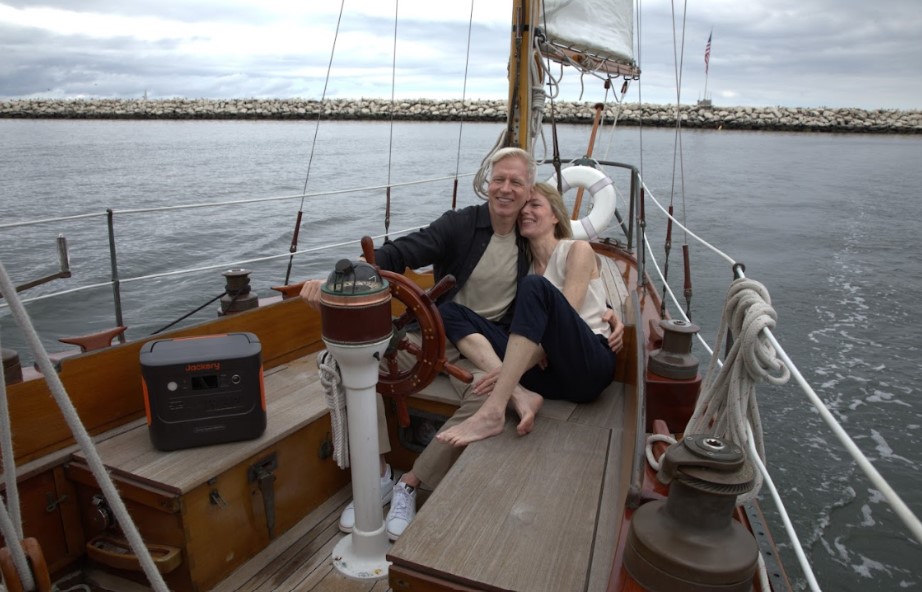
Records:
x=452, y=244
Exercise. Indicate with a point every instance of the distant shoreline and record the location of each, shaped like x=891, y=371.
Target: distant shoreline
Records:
x=799, y=119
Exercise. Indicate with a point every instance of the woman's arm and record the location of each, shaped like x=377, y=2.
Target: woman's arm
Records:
x=581, y=267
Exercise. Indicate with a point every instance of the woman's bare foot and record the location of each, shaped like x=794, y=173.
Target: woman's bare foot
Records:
x=485, y=423
x=526, y=404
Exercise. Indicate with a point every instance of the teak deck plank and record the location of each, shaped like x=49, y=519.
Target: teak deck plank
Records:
x=514, y=513
x=605, y=412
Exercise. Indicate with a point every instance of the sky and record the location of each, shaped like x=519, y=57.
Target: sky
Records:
x=790, y=53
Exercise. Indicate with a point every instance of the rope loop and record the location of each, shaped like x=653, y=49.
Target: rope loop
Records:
x=727, y=404
x=749, y=308
x=331, y=379
x=648, y=449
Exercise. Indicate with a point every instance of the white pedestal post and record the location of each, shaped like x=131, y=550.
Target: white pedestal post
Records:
x=361, y=554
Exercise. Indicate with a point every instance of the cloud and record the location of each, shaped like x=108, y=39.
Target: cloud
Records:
x=783, y=52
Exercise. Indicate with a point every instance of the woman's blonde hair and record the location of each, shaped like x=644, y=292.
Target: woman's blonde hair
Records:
x=562, y=228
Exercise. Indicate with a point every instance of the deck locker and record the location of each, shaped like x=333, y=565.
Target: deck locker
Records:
x=205, y=510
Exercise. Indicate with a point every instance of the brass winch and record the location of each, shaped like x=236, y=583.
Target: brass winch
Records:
x=674, y=359
x=238, y=295
x=690, y=542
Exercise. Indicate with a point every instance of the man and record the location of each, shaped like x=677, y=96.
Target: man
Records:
x=480, y=247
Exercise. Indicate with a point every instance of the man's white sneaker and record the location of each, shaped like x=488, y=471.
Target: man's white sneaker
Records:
x=403, y=510
x=347, y=518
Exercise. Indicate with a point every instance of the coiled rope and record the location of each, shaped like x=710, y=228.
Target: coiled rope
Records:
x=728, y=395
x=335, y=393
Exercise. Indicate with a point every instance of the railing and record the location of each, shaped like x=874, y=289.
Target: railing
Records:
x=910, y=520
x=116, y=281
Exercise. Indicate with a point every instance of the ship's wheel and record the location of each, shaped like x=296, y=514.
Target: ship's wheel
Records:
x=400, y=382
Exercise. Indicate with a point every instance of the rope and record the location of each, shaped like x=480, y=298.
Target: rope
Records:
x=727, y=405
x=189, y=314
x=332, y=382
x=768, y=482
x=10, y=531
x=655, y=464
x=80, y=435
x=10, y=515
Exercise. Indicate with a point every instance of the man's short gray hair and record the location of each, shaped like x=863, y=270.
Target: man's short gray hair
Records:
x=513, y=152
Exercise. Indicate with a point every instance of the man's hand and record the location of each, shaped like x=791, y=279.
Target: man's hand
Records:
x=616, y=339
x=484, y=386
x=310, y=293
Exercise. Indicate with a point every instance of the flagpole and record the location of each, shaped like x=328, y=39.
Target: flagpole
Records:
x=707, y=63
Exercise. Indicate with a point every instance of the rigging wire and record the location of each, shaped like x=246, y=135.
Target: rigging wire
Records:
x=467, y=61
x=533, y=64
x=294, y=237
x=390, y=140
x=154, y=276
x=616, y=115
x=679, y=154
x=685, y=248
x=641, y=223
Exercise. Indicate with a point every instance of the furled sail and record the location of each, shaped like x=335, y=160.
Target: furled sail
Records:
x=603, y=29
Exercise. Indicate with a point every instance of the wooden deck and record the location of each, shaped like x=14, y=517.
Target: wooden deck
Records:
x=539, y=512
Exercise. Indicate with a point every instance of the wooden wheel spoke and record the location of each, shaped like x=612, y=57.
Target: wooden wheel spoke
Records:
x=412, y=348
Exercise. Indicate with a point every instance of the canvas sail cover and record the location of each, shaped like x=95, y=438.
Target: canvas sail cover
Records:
x=604, y=28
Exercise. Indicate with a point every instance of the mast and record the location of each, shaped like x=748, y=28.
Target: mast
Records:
x=520, y=52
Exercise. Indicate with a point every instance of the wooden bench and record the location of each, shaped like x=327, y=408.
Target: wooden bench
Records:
x=539, y=512
x=207, y=501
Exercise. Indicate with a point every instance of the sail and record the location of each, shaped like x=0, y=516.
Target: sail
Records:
x=602, y=28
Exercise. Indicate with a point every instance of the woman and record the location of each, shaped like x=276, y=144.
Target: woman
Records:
x=560, y=343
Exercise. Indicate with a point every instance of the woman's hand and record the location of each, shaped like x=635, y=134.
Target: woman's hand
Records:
x=616, y=339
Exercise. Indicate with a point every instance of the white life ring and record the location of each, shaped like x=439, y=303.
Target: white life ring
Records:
x=600, y=188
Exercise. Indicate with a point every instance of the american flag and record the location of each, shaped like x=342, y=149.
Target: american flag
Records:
x=707, y=53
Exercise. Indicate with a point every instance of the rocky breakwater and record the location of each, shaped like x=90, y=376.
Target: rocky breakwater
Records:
x=717, y=117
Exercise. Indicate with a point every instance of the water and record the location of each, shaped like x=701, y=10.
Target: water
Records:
x=824, y=221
